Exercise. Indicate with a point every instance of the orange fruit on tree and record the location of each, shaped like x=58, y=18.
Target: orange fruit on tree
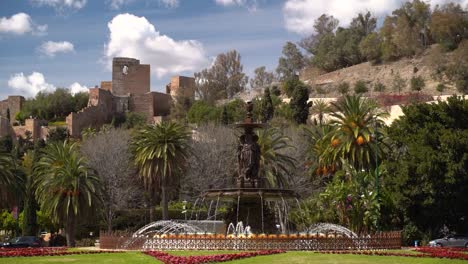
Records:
x=360, y=140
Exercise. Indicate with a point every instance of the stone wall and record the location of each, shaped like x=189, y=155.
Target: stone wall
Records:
x=142, y=104
x=161, y=103
x=106, y=85
x=5, y=127
x=14, y=103
x=181, y=85
x=130, y=77
x=98, y=112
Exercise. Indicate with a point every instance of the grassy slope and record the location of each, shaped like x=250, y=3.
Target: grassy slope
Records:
x=287, y=258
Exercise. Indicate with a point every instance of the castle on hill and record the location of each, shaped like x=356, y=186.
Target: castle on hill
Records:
x=129, y=91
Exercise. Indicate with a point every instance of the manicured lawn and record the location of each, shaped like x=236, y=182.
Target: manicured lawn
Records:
x=117, y=258
x=287, y=258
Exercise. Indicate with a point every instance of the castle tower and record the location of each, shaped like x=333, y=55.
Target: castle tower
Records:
x=129, y=77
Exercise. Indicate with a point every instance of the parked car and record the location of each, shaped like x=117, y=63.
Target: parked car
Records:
x=22, y=242
x=450, y=241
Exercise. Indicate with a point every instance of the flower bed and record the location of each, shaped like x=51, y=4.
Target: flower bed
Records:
x=170, y=259
x=423, y=252
x=46, y=251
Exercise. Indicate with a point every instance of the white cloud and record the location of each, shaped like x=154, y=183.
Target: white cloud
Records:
x=136, y=37
x=250, y=4
x=30, y=85
x=62, y=4
x=117, y=4
x=20, y=24
x=299, y=15
x=50, y=48
x=77, y=88
x=169, y=3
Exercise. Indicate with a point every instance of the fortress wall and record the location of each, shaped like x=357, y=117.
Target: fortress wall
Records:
x=98, y=112
x=14, y=103
x=161, y=103
x=142, y=104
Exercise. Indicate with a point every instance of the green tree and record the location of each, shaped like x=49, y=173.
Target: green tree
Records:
x=161, y=152
x=417, y=83
x=370, y=47
x=202, y=112
x=358, y=131
x=291, y=62
x=440, y=88
x=449, y=25
x=224, y=116
x=262, y=78
x=66, y=189
x=30, y=226
x=267, y=106
x=299, y=105
x=360, y=87
x=398, y=83
x=9, y=181
x=223, y=79
x=457, y=70
x=290, y=85
x=430, y=146
x=275, y=165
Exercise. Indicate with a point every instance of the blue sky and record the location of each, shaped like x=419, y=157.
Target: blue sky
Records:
x=59, y=43
x=257, y=35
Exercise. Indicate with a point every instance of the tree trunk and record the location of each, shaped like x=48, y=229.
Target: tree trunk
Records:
x=70, y=230
x=151, y=207
x=109, y=221
x=164, y=205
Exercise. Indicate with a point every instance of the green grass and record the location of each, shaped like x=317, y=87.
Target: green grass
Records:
x=117, y=258
x=300, y=257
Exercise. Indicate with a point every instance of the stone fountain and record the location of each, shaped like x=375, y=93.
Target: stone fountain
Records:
x=257, y=217
x=263, y=209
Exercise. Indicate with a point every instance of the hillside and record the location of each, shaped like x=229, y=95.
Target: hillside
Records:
x=384, y=72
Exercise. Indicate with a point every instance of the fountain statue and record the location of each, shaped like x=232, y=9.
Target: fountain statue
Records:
x=252, y=203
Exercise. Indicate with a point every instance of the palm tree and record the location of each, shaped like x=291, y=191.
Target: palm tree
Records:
x=9, y=181
x=318, y=163
x=357, y=132
x=161, y=152
x=65, y=188
x=274, y=166
x=320, y=108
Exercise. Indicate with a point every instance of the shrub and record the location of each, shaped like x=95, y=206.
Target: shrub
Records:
x=417, y=83
x=360, y=87
x=379, y=87
x=343, y=88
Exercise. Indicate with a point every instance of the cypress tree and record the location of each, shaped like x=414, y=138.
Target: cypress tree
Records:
x=299, y=104
x=267, y=109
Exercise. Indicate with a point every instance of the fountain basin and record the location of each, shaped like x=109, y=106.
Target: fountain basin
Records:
x=232, y=194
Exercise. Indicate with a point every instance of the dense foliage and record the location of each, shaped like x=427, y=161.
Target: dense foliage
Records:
x=427, y=171
x=52, y=106
x=407, y=31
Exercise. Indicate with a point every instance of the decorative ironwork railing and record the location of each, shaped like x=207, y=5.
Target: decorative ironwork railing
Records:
x=329, y=241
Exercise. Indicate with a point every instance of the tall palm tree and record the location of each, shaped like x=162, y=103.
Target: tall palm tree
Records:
x=9, y=180
x=274, y=166
x=161, y=152
x=357, y=132
x=65, y=187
